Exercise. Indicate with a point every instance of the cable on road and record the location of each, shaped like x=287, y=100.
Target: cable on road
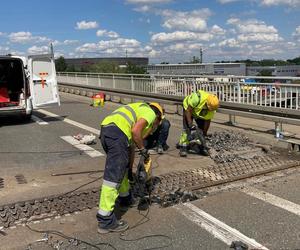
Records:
x=62, y=235
x=144, y=220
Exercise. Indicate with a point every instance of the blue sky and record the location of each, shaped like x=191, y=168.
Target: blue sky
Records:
x=163, y=30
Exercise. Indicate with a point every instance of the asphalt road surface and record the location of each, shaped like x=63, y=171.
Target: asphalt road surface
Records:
x=262, y=212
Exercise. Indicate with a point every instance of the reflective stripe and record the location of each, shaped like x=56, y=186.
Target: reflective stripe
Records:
x=199, y=95
x=104, y=213
x=124, y=116
x=110, y=184
x=130, y=109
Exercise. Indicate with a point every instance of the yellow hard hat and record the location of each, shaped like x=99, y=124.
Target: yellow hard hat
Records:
x=212, y=102
x=160, y=109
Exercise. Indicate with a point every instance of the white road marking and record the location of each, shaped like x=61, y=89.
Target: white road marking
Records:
x=38, y=120
x=74, y=123
x=217, y=228
x=85, y=148
x=273, y=200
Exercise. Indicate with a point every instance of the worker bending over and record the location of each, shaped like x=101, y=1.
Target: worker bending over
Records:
x=120, y=132
x=200, y=106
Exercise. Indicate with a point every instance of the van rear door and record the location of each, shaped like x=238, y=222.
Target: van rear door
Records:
x=43, y=82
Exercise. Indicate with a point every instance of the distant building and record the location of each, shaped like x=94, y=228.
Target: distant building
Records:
x=235, y=69
x=79, y=63
x=198, y=69
x=286, y=70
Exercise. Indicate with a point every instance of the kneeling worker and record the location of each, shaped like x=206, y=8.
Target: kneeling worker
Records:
x=120, y=131
x=200, y=106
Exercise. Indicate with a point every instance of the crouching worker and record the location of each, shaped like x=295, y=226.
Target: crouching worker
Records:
x=200, y=106
x=158, y=138
x=120, y=132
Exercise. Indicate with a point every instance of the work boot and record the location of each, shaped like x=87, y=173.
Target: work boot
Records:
x=160, y=149
x=165, y=147
x=183, y=151
x=127, y=202
x=119, y=226
x=204, y=151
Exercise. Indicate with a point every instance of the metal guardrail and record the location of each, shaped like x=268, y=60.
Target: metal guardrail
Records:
x=267, y=92
x=275, y=99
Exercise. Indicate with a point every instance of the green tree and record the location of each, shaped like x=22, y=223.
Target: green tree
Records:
x=60, y=64
x=134, y=69
x=104, y=67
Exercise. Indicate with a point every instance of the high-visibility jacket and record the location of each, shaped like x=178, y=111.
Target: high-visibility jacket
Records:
x=126, y=116
x=200, y=110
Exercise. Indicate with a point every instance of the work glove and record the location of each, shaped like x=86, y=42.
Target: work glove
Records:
x=144, y=152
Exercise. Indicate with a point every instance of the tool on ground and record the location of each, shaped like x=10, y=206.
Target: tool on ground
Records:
x=199, y=138
x=143, y=180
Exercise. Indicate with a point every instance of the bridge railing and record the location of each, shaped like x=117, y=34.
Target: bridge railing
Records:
x=277, y=92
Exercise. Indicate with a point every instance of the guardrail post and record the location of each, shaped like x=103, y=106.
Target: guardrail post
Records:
x=232, y=120
x=132, y=83
x=114, y=82
x=99, y=80
x=86, y=79
x=278, y=129
x=239, y=92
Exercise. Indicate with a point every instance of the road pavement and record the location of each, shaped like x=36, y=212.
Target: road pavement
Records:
x=262, y=211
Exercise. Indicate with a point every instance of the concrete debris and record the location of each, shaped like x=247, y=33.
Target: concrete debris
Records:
x=85, y=139
x=227, y=146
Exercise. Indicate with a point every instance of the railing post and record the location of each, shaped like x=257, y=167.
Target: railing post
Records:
x=114, y=82
x=99, y=80
x=132, y=83
x=278, y=129
x=239, y=92
x=86, y=79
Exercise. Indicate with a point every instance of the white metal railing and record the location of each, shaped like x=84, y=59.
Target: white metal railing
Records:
x=277, y=92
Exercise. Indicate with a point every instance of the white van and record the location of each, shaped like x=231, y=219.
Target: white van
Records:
x=27, y=83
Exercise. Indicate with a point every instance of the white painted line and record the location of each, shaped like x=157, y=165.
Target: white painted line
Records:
x=74, y=123
x=85, y=148
x=273, y=200
x=38, y=120
x=217, y=228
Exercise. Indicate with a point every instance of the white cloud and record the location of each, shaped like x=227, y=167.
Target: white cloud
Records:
x=180, y=36
x=217, y=30
x=291, y=3
x=27, y=37
x=106, y=33
x=148, y=1
x=227, y=1
x=192, y=21
x=258, y=37
x=231, y=43
x=254, y=31
x=70, y=42
x=251, y=26
x=38, y=50
x=109, y=46
x=84, y=25
x=296, y=34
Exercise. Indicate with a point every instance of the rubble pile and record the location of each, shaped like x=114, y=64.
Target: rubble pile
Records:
x=226, y=145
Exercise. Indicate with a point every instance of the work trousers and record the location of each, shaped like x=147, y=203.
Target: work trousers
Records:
x=160, y=135
x=115, y=180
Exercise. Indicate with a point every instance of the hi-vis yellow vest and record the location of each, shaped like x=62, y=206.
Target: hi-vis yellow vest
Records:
x=126, y=116
x=200, y=111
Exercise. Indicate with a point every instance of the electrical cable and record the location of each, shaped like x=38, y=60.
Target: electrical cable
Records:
x=142, y=221
x=62, y=235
